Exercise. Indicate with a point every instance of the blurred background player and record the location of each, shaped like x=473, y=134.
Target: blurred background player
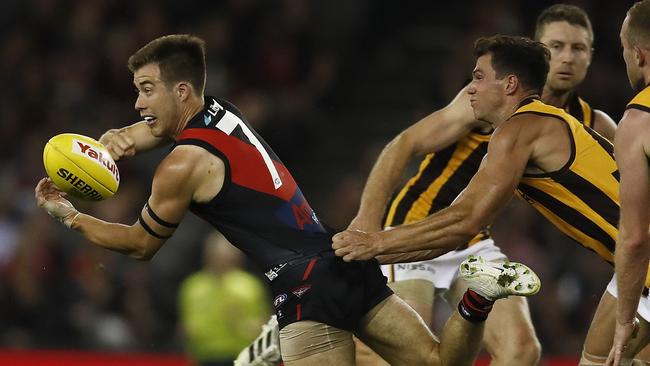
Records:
x=222, y=306
x=454, y=144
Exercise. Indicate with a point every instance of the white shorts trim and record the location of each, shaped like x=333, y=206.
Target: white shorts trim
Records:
x=443, y=270
x=644, y=301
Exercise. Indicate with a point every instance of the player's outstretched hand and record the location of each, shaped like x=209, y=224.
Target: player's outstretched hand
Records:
x=118, y=143
x=355, y=245
x=53, y=201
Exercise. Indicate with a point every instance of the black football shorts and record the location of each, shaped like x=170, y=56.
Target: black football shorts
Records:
x=326, y=289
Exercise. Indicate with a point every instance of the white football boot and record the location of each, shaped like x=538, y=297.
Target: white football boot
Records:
x=498, y=280
x=265, y=349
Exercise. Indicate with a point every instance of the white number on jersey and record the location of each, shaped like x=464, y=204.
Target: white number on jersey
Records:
x=229, y=122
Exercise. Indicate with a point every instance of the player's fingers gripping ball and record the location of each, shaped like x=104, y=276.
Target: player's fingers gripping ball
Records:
x=81, y=167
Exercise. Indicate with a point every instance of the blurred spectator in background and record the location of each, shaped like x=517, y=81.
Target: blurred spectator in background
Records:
x=222, y=306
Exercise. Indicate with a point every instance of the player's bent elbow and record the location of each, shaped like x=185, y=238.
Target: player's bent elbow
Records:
x=144, y=252
x=634, y=241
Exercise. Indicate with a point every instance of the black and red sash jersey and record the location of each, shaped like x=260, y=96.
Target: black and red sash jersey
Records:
x=259, y=209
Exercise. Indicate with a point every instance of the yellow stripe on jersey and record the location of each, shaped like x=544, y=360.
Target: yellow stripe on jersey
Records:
x=422, y=206
x=400, y=196
x=587, y=113
x=641, y=101
x=581, y=199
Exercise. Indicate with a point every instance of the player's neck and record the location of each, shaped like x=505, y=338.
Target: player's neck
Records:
x=193, y=106
x=556, y=98
x=516, y=101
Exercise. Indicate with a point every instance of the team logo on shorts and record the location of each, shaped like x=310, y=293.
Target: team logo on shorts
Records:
x=299, y=291
x=279, y=300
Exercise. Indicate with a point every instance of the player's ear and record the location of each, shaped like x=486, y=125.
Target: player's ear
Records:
x=183, y=90
x=511, y=84
x=639, y=56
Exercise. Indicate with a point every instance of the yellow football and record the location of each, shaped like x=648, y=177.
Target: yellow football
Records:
x=81, y=166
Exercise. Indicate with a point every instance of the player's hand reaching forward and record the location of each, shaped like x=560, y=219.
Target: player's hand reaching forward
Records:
x=118, y=143
x=52, y=200
x=356, y=245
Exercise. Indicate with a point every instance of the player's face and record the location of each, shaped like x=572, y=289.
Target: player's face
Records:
x=486, y=91
x=156, y=100
x=571, y=51
x=629, y=55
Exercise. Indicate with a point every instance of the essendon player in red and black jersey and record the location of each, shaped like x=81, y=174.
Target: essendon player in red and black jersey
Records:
x=258, y=191
x=222, y=170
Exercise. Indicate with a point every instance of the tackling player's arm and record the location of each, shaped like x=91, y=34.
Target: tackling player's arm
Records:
x=158, y=219
x=130, y=140
x=631, y=258
x=487, y=193
x=604, y=125
x=431, y=134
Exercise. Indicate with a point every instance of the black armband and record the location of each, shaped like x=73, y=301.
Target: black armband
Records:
x=157, y=219
x=148, y=229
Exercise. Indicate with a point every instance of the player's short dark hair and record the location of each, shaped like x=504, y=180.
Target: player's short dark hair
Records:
x=520, y=56
x=180, y=57
x=563, y=13
x=638, y=26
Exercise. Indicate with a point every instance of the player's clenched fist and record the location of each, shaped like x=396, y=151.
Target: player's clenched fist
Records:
x=355, y=245
x=118, y=143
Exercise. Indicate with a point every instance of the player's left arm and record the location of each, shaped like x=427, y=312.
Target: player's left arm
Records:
x=177, y=179
x=604, y=125
x=487, y=193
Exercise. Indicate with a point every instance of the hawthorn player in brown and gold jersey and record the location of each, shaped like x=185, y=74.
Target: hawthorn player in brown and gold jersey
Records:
x=454, y=144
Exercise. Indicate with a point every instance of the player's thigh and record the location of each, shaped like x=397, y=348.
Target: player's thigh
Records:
x=367, y=357
x=312, y=343
x=398, y=334
x=418, y=294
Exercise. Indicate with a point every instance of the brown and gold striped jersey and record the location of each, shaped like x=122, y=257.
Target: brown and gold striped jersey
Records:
x=581, y=199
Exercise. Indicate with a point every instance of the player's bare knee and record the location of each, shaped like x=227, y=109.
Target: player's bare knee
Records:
x=516, y=346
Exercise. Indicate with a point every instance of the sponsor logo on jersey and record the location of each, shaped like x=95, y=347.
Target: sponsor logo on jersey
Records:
x=212, y=111
x=272, y=273
x=87, y=151
x=279, y=300
x=301, y=290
